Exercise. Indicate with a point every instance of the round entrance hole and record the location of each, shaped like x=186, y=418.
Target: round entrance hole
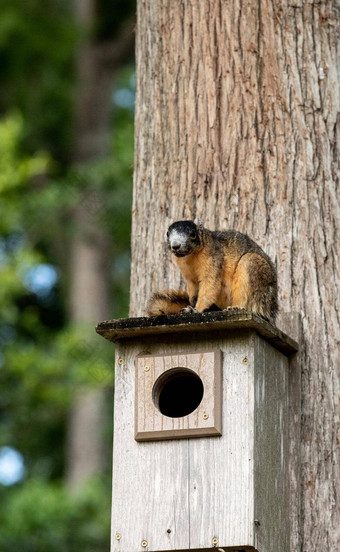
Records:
x=177, y=392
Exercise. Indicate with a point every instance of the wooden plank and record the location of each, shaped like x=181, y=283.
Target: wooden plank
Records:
x=170, y=481
x=221, y=470
x=271, y=451
x=220, y=321
x=291, y=324
x=200, y=489
x=150, y=491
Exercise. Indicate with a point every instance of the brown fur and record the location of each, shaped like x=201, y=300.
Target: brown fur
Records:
x=226, y=269
x=167, y=302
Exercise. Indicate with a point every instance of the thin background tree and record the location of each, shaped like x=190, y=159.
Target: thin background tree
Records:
x=97, y=62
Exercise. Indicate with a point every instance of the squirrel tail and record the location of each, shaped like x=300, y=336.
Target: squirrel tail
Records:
x=169, y=301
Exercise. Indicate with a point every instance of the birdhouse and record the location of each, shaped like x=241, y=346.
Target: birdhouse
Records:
x=201, y=433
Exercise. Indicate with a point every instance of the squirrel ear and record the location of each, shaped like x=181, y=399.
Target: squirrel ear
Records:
x=199, y=223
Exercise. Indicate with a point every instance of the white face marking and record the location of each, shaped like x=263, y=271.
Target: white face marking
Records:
x=177, y=238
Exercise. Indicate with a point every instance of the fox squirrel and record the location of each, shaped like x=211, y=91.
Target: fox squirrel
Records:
x=221, y=270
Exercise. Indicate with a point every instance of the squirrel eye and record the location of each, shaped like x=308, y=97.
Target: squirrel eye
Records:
x=192, y=234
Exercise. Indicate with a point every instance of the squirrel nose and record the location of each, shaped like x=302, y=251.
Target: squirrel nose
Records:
x=175, y=246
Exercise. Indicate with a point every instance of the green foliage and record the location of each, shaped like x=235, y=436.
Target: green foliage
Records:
x=46, y=360
x=43, y=359
x=42, y=517
x=16, y=172
x=37, y=41
x=40, y=381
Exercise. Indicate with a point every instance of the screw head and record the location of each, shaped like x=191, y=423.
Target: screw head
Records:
x=146, y=369
x=215, y=541
x=205, y=416
x=118, y=536
x=144, y=543
x=120, y=361
x=245, y=360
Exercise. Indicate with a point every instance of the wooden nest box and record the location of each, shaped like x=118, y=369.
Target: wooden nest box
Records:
x=202, y=449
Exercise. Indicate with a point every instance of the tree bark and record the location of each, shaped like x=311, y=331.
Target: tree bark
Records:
x=89, y=293
x=237, y=122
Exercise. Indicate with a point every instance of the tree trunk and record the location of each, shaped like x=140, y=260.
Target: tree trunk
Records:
x=89, y=298
x=237, y=122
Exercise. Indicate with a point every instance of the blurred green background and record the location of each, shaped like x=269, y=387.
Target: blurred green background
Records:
x=66, y=162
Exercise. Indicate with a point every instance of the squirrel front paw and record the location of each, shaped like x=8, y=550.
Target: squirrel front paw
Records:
x=188, y=309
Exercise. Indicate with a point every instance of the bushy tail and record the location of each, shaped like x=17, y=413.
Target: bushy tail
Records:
x=169, y=301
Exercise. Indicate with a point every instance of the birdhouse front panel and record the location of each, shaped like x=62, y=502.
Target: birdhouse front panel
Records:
x=187, y=492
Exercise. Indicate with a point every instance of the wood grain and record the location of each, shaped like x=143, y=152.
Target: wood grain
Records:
x=149, y=495
x=205, y=420
x=271, y=462
x=180, y=494
x=237, y=122
x=291, y=323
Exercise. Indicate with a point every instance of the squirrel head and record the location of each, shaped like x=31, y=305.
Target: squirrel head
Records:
x=184, y=237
